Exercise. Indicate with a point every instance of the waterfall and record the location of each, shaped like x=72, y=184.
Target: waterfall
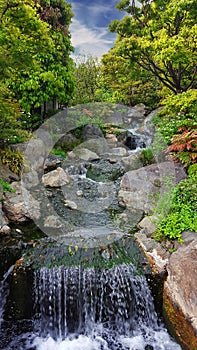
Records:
x=4, y=290
x=110, y=309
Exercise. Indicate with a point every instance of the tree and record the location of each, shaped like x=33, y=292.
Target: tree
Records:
x=160, y=37
x=86, y=72
x=51, y=77
x=120, y=82
x=22, y=36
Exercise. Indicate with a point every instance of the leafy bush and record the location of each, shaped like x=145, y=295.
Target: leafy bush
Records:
x=184, y=146
x=58, y=152
x=85, y=119
x=6, y=186
x=12, y=159
x=178, y=111
x=147, y=156
x=182, y=214
x=192, y=170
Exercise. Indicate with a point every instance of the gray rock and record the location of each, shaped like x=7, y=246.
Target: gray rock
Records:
x=30, y=179
x=20, y=206
x=141, y=188
x=132, y=162
x=6, y=174
x=52, y=221
x=138, y=110
x=86, y=154
x=91, y=131
x=119, y=151
x=98, y=145
x=56, y=178
x=52, y=162
x=148, y=223
x=70, y=204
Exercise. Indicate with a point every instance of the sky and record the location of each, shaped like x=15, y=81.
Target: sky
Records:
x=89, y=28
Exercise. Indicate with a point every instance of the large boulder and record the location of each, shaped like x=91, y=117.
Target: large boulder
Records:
x=86, y=154
x=180, y=294
x=91, y=131
x=15, y=207
x=132, y=162
x=56, y=178
x=140, y=188
x=97, y=145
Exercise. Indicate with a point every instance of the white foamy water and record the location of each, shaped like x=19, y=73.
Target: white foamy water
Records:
x=82, y=342
x=4, y=290
x=159, y=340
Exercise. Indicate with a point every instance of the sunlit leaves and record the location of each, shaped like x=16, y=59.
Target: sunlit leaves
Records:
x=161, y=37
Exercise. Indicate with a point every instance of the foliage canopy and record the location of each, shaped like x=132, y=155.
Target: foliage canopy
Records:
x=160, y=37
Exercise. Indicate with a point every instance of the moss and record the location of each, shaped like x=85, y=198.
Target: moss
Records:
x=178, y=326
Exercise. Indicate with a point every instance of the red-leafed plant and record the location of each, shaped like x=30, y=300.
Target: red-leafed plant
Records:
x=183, y=146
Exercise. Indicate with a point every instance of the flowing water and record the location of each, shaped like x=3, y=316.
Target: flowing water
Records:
x=90, y=309
x=80, y=307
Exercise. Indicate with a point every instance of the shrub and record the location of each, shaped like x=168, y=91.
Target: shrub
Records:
x=184, y=146
x=58, y=152
x=192, y=170
x=147, y=156
x=6, y=186
x=178, y=111
x=182, y=214
x=12, y=159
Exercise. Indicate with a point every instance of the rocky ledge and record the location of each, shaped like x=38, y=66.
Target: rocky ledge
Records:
x=139, y=186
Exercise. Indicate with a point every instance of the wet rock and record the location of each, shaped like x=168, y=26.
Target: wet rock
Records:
x=104, y=170
x=56, y=178
x=180, y=290
x=140, y=188
x=149, y=347
x=91, y=131
x=52, y=162
x=71, y=155
x=134, y=141
x=113, y=160
x=20, y=206
x=5, y=229
x=52, y=221
x=71, y=204
x=156, y=255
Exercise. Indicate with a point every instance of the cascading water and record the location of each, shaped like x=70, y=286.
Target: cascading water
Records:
x=4, y=291
x=110, y=309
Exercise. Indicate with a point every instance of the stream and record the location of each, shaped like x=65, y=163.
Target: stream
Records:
x=86, y=286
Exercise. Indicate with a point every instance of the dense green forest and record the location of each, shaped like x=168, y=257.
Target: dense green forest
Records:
x=153, y=61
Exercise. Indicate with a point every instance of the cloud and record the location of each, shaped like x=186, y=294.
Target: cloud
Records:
x=89, y=29
x=95, y=41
